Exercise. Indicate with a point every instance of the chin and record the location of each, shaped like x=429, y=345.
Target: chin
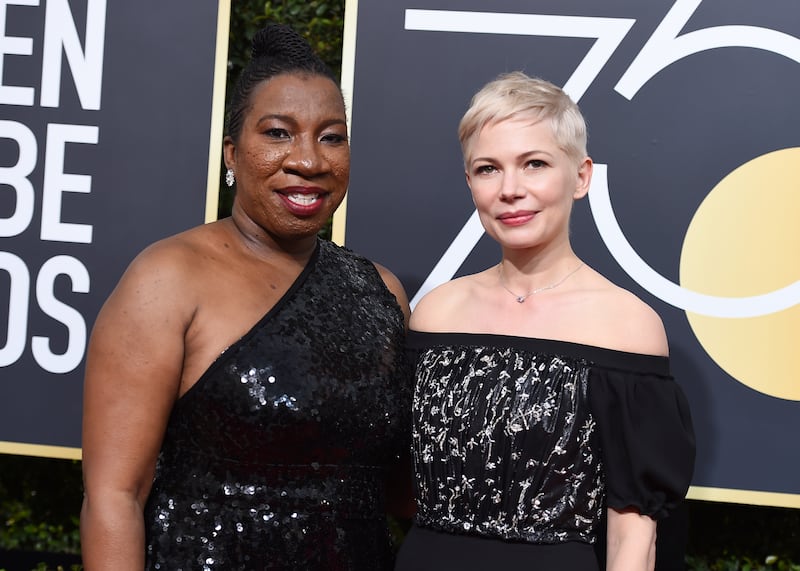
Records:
x=303, y=233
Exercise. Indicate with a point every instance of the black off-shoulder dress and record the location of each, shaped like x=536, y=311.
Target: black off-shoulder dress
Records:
x=277, y=457
x=520, y=445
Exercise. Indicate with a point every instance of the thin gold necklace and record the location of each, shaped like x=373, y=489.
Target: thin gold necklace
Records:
x=522, y=298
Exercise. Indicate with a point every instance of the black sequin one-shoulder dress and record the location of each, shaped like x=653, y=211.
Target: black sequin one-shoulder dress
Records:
x=276, y=458
x=521, y=444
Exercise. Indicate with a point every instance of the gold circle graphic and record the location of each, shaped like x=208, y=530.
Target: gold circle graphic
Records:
x=744, y=240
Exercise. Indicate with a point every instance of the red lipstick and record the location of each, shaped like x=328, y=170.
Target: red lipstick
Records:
x=303, y=201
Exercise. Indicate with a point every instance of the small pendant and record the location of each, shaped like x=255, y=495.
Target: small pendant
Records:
x=520, y=299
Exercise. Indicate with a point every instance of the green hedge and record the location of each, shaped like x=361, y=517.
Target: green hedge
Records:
x=40, y=500
x=726, y=537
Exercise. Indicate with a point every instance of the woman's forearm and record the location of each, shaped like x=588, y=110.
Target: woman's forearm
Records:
x=631, y=542
x=112, y=533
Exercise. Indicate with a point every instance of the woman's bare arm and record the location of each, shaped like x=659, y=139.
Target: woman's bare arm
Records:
x=631, y=541
x=133, y=376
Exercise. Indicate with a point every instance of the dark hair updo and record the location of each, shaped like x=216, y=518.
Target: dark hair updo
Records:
x=277, y=49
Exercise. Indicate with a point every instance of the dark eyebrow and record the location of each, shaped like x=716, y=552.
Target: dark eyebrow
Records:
x=277, y=116
x=336, y=121
x=291, y=120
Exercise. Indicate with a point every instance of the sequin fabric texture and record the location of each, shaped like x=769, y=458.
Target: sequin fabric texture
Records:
x=505, y=445
x=276, y=458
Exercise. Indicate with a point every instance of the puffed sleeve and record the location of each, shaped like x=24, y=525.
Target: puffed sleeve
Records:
x=646, y=436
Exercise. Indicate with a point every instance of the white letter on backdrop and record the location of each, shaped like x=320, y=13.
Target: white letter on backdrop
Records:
x=86, y=65
x=16, y=176
x=56, y=182
x=17, y=308
x=61, y=312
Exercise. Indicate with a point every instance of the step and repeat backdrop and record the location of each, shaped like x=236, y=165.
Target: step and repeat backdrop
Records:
x=109, y=112
x=110, y=131
x=695, y=134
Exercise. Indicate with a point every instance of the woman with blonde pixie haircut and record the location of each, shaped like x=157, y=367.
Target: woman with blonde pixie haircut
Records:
x=544, y=402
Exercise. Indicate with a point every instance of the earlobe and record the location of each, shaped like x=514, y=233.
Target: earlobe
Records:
x=584, y=178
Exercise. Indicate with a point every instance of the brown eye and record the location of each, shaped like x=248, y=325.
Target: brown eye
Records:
x=334, y=138
x=277, y=133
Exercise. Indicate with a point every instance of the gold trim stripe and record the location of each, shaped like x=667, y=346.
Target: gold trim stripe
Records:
x=752, y=497
x=218, y=109
x=347, y=83
x=40, y=450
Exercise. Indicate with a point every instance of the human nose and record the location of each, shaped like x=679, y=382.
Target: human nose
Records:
x=304, y=157
x=510, y=187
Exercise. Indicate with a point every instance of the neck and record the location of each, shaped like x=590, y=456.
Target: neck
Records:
x=524, y=276
x=528, y=263
x=263, y=244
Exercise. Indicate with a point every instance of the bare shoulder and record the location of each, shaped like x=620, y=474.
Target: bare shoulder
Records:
x=177, y=253
x=162, y=276
x=622, y=321
x=396, y=287
x=435, y=310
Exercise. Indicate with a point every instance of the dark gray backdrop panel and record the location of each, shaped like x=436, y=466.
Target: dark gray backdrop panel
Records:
x=149, y=178
x=666, y=149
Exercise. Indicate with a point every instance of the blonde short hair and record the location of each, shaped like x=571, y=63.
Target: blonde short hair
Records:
x=515, y=94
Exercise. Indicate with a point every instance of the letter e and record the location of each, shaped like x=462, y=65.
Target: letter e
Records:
x=56, y=182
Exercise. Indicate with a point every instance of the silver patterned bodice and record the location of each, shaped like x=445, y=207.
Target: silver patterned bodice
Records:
x=530, y=440
x=505, y=444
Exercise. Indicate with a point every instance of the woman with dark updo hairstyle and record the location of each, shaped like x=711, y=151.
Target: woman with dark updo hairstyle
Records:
x=246, y=397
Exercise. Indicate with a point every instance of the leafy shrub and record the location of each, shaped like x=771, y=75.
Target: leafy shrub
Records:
x=25, y=530
x=40, y=501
